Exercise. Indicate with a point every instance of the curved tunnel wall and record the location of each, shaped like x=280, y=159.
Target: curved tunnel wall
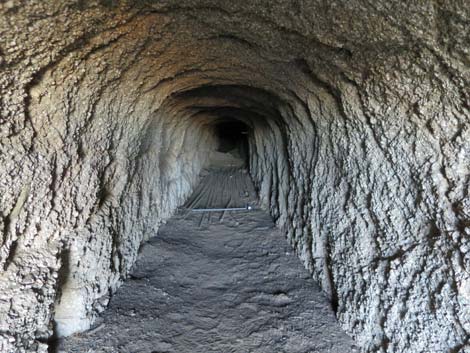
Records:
x=359, y=148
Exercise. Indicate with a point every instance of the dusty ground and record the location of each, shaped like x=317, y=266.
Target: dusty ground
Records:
x=214, y=282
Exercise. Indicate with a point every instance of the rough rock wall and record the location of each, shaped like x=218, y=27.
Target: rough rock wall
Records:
x=377, y=207
x=90, y=168
x=359, y=123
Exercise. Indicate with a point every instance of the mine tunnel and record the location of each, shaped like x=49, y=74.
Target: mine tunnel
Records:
x=337, y=132
x=233, y=138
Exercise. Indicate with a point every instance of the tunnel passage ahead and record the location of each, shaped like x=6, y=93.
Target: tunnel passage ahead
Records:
x=232, y=135
x=358, y=144
x=217, y=282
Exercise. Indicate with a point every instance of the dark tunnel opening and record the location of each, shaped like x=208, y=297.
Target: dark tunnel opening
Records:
x=237, y=116
x=232, y=138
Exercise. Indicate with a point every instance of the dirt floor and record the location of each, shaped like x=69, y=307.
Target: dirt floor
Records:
x=217, y=282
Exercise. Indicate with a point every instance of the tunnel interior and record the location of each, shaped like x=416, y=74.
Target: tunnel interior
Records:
x=232, y=137
x=352, y=117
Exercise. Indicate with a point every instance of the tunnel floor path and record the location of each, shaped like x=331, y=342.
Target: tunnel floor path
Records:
x=217, y=282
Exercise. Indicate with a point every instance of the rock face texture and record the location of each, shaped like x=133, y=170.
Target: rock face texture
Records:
x=359, y=144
